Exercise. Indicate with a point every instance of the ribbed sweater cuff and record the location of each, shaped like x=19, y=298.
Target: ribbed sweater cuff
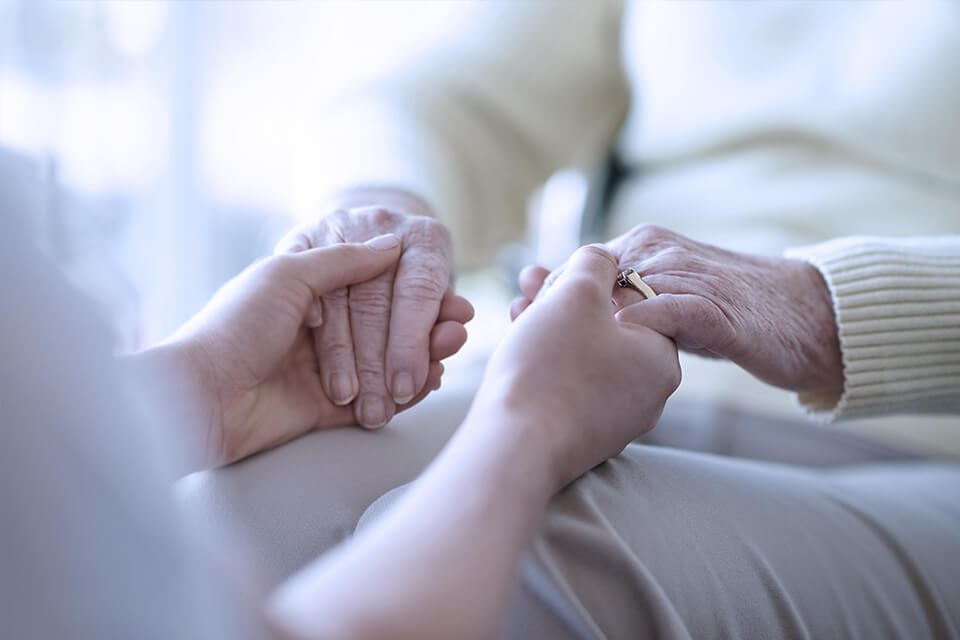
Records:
x=897, y=304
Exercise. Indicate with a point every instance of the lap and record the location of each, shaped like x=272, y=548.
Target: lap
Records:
x=755, y=529
x=663, y=543
x=288, y=505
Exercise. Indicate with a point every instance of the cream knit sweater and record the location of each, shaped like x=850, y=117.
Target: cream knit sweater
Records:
x=753, y=125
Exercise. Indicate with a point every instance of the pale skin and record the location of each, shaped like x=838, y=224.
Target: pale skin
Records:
x=370, y=337
x=423, y=570
x=243, y=372
x=771, y=316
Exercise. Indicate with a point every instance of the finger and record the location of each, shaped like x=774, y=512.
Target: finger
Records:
x=693, y=321
x=434, y=375
x=298, y=239
x=370, y=310
x=457, y=308
x=329, y=268
x=314, y=316
x=518, y=306
x=333, y=344
x=423, y=279
x=626, y=296
x=593, y=264
x=446, y=339
x=531, y=279
x=550, y=280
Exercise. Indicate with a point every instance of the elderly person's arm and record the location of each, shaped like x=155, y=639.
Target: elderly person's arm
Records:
x=896, y=303
x=858, y=326
x=445, y=152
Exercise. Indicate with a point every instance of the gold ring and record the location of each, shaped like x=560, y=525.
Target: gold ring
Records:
x=630, y=278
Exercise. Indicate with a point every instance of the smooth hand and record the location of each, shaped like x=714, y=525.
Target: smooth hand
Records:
x=372, y=338
x=251, y=351
x=586, y=381
x=772, y=316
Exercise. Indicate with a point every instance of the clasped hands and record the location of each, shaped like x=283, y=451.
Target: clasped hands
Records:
x=348, y=322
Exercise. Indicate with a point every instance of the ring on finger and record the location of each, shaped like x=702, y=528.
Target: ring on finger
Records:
x=630, y=278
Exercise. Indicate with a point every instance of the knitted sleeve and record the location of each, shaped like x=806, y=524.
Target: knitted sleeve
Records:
x=514, y=93
x=897, y=304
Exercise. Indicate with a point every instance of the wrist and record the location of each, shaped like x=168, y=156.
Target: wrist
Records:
x=177, y=374
x=388, y=197
x=823, y=340
x=518, y=438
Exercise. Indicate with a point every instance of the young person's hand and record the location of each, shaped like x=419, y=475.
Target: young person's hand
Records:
x=581, y=380
x=373, y=343
x=249, y=357
x=569, y=387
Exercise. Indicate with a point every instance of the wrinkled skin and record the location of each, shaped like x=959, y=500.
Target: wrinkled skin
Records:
x=771, y=316
x=372, y=339
x=252, y=353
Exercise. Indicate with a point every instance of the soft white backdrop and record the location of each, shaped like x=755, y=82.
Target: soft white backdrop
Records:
x=180, y=130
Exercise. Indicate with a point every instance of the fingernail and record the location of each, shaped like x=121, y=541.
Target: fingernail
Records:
x=383, y=243
x=342, y=389
x=314, y=314
x=372, y=412
x=403, y=390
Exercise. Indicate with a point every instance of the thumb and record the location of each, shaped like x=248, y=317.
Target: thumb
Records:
x=594, y=264
x=693, y=321
x=330, y=268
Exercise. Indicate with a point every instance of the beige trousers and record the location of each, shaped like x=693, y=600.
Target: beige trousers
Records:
x=753, y=529
x=720, y=525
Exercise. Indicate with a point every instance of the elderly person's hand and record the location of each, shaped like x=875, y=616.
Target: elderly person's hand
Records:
x=372, y=338
x=580, y=381
x=247, y=362
x=772, y=316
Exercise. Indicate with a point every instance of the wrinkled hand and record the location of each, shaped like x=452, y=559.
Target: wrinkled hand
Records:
x=372, y=339
x=253, y=353
x=772, y=316
x=587, y=381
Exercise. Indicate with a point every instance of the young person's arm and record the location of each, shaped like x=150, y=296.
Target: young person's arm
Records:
x=569, y=387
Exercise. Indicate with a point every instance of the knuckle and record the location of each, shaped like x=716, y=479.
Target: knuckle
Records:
x=429, y=231
x=336, y=298
x=370, y=372
x=336, y=349
x=337, y=215
x=650, y=235
x=598, y=251
x=296, y=240
x=421, y=286
x=429, y=261
x=330, y=227
x=703, y=315
x=382, y=216
x=673, y=258
x=369, y=301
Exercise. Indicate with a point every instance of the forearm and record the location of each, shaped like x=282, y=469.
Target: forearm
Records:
x=172, y=376
x=441, y=562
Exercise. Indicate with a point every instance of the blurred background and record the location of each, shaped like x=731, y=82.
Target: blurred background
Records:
x=172, y=137
x=172, y=142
